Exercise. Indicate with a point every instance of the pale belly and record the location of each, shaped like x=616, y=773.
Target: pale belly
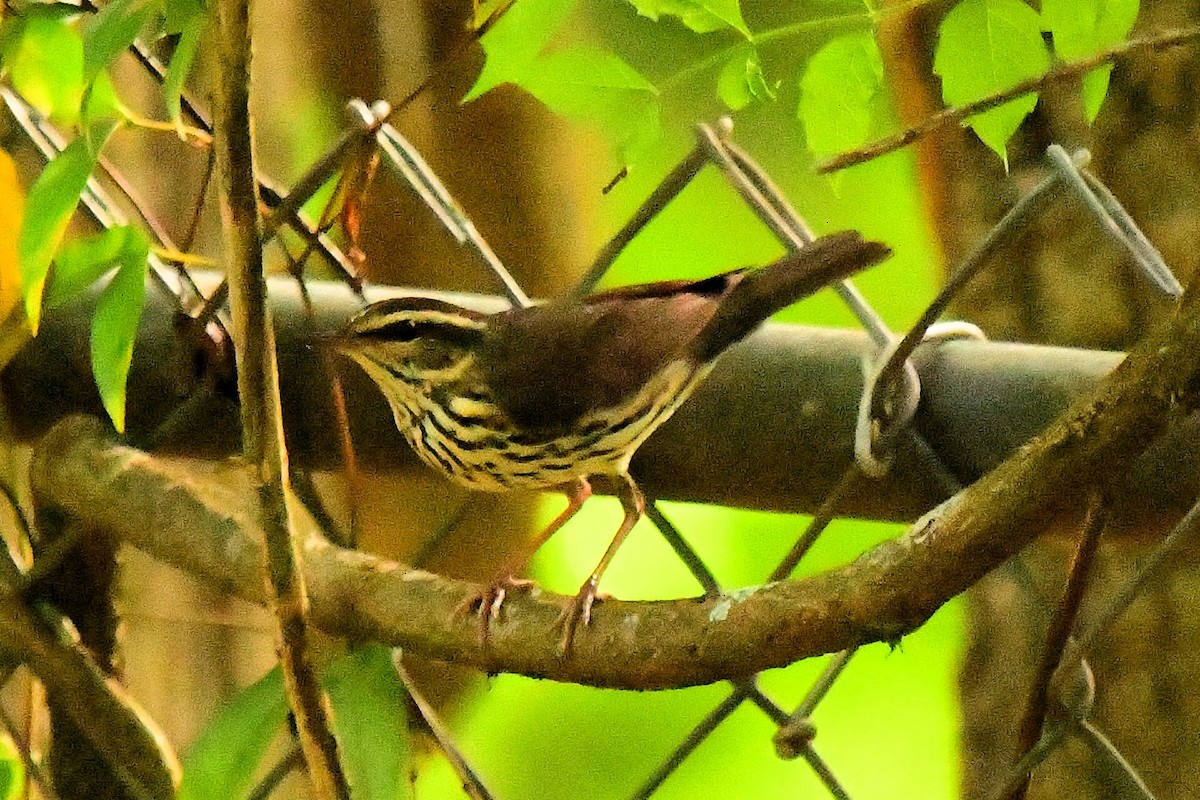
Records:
x=485, y=460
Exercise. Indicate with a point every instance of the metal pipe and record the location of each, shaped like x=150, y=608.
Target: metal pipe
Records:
x=771, y=428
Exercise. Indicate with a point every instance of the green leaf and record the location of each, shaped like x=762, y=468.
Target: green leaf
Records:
x=179, y=15
x=986, y=46
x=111, y=30
x=1083, y=28
x=842, y=97
x=1094, y=89
x=512, y=44
x=224, y=759
x=44, y=58
x=12, y=771
x=192, y=29
x=702, y=16
x=115, y=325
x=48, y=209
x=741, y=81
x=80, y=262
x=101, y=107
x=595, y=85
x=370, y=720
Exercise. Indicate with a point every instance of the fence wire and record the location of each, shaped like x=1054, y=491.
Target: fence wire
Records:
x=889, y=402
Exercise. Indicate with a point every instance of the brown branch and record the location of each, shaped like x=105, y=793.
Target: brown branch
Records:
x=879, y=597
x=98, y=706
x=33, y=767
x=258, y=388
x=1070, y=71
x=1059, y=633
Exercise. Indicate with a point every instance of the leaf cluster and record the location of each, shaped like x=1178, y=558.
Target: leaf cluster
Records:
x=983, y=47
x=57, y=58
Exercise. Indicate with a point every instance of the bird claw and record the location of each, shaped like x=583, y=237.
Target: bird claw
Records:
x=578, y=610
x=489, y=600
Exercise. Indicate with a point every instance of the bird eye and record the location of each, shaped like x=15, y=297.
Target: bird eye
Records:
x=400, y=330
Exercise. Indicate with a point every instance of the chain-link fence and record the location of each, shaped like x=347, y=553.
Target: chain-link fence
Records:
x=887, y=432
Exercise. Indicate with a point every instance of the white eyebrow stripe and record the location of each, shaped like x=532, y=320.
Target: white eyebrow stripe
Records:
x=428, y=317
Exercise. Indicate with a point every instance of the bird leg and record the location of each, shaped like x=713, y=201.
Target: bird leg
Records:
x=491, y=597
x=579, y=609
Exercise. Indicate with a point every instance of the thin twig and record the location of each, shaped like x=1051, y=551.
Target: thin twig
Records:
x=258, y=388
x=283, y=767
x=1061, y=626
x=666, y=191
x=349, y=469
x=470, y=781
x=270, y=192
x=32, y=768
x=1070, y=71
x=365, y=126
x=286, y=208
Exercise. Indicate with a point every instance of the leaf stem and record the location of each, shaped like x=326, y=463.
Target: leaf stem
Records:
x=786, y=32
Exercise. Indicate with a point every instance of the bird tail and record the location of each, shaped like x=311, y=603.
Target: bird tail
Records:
x=762, y=292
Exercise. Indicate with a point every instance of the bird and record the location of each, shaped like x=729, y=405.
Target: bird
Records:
x=549, y=396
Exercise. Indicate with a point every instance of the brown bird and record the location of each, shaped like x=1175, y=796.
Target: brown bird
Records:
x=547, y=396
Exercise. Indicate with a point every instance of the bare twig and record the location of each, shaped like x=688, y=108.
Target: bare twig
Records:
x=266, y=787
x=471, y=783
x=106, y=717
x=664, y=193
x=1070, y=71
x=258, y=378
x=1061, y=626
x=32, y=768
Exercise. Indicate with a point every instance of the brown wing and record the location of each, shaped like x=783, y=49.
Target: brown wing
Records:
x=551, y=364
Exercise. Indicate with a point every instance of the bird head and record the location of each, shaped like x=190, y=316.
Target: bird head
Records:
x=413, y=340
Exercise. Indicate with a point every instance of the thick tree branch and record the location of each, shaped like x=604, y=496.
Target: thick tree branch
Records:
x=882, y=595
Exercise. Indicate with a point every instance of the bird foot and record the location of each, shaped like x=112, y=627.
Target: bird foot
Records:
x=577, y=611
x=489, y=600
